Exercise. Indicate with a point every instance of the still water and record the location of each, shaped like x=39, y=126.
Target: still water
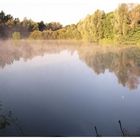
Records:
x=66, y=89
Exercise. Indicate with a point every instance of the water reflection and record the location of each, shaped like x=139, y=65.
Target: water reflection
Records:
x=123, y=62
x=68, y=89
x=10, y=51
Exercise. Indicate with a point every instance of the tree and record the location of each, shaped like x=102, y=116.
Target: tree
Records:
x=91, y=28
x=121, y=22
x=27, y=26
x=85, y=28
x=53, y=26
x=134, y=15
x=41, y=26
x=98, y=23
x=108, y=25
x=2, y=16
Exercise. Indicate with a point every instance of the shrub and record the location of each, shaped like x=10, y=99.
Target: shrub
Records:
x=16, y=36
x=36, y=35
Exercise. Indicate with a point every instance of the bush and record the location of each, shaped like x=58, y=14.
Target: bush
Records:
x=36, y=35
x=16, y=36
x=106, y=41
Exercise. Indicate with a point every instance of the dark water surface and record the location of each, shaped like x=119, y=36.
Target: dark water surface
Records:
x=66, y=89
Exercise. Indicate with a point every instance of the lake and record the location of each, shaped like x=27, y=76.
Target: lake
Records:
x=54, y=88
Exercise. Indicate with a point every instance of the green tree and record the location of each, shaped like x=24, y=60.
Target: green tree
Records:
x=53, y=26
x=121, y=22
x=108, y=25
x=91, y=28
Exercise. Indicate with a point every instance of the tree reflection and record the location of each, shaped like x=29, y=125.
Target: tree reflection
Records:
x=125, y=63
x=11, y=51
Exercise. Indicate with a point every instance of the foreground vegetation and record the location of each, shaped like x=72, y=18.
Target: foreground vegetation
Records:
x=121, y=26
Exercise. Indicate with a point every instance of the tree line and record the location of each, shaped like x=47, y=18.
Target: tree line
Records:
x=121, y=26
x=10, y=26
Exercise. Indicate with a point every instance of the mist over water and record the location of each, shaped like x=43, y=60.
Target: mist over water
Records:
x=63, y=88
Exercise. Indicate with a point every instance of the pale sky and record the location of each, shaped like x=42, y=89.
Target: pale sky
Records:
x=63, y=11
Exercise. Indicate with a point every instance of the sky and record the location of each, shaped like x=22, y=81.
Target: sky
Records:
x=63, y=11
